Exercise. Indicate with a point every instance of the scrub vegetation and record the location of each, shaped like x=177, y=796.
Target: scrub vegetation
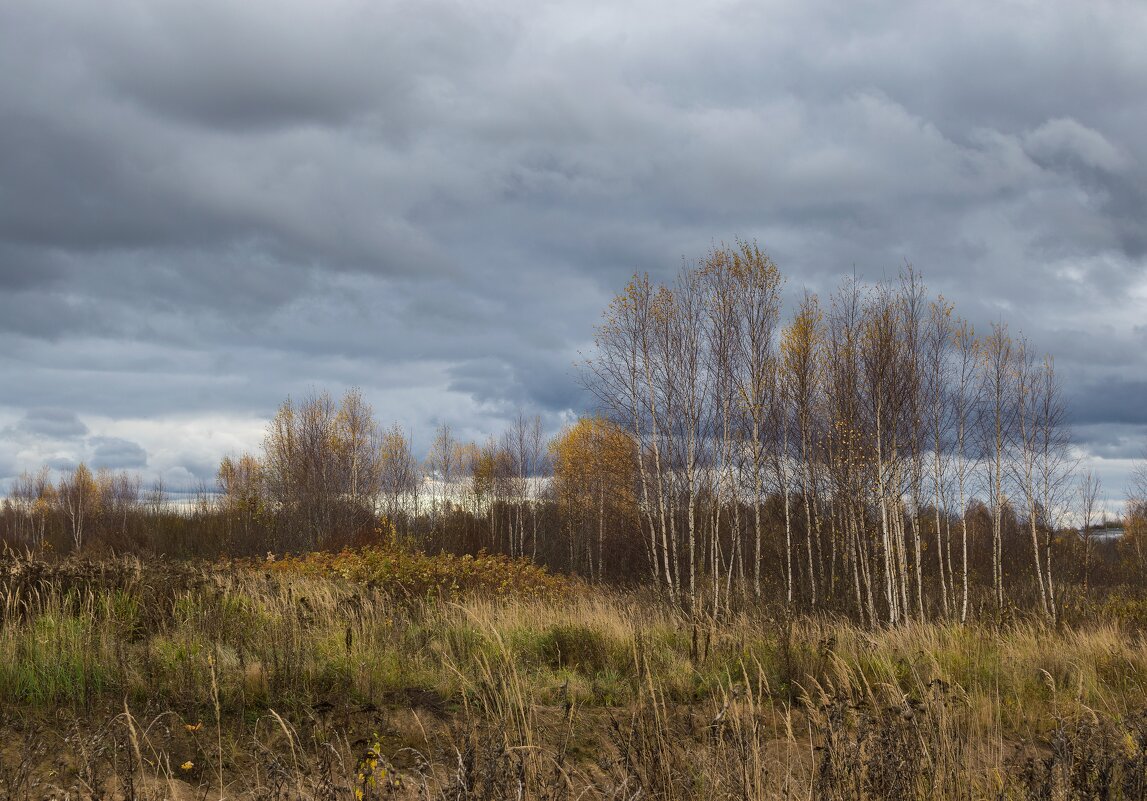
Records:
x=845, y=556
x=341, y=676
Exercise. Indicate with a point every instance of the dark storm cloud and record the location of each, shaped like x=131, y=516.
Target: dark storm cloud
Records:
x=207, y=206
x=1112, y=441
x=23, y=268
x=1112, y=400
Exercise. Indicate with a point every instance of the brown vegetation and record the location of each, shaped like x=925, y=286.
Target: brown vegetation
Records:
x=243, y=680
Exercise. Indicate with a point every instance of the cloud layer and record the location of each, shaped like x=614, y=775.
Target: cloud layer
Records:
x=205, y=207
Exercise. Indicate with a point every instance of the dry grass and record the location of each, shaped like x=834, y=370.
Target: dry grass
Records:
x=125, y=680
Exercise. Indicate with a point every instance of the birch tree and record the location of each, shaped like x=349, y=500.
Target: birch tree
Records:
x=1088, y=496
x=77, y=497
x=965, y=410
x=996, y=433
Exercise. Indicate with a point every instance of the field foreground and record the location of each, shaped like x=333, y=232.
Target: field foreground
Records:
x=376, y=675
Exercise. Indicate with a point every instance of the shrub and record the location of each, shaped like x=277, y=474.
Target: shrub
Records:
x=569, y=645
x=413, y=574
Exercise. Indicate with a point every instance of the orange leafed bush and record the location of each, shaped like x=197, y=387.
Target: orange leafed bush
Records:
x=416, y=574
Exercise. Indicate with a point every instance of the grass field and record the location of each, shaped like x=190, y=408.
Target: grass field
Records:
x=384, y=675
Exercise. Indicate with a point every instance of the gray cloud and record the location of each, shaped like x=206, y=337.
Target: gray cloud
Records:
x=205, y=207
x=1113, y=400
x=63, y=464
x=53, y=423
x=1113, y=441
x=117, y=454
x=1066, y=139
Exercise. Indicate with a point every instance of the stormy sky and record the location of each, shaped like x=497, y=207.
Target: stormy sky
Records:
x=208, y=206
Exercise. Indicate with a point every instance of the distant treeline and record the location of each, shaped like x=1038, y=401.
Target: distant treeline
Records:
x=870, y=456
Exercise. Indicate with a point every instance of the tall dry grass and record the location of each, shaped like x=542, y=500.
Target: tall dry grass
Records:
x=127, y=680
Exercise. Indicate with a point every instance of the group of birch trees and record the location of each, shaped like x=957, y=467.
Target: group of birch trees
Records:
x=330, y=475
x=327, y=472
x=77, y=507
x=499, y=484
x=829, y=457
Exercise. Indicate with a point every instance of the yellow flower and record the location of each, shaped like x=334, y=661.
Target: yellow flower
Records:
x=188, y=765
x=195, y=727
